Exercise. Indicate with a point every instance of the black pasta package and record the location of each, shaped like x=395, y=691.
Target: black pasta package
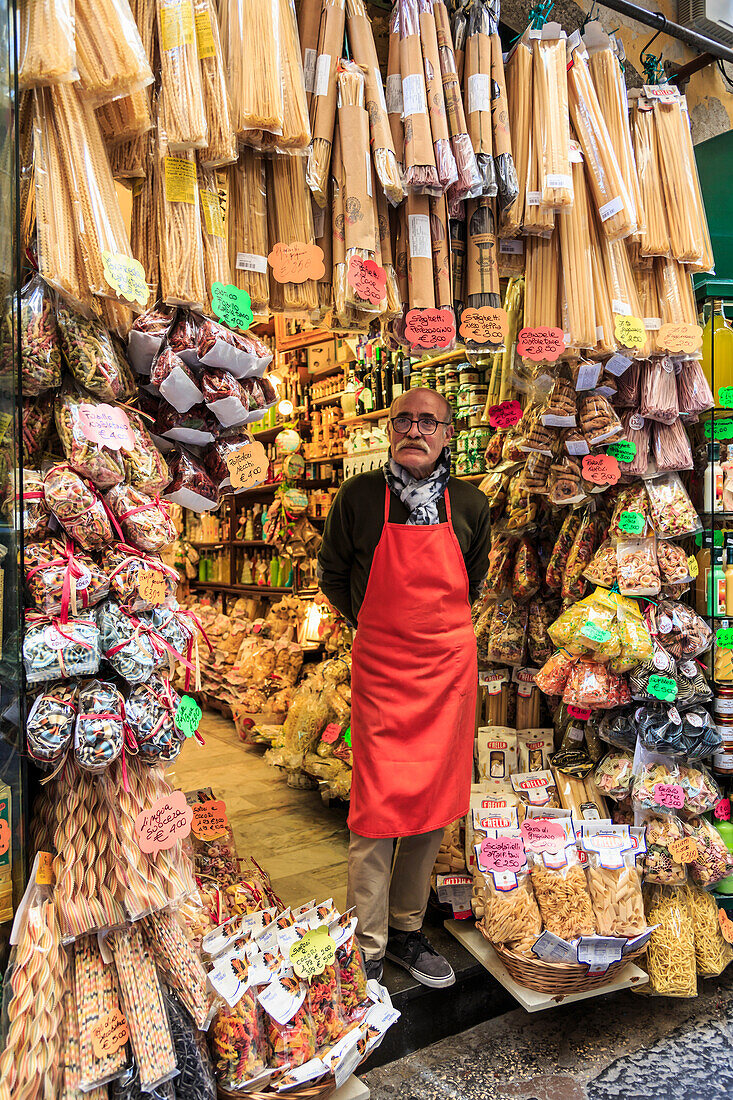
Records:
x=195, y=1080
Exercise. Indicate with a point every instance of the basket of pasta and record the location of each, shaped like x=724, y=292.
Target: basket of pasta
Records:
x=564, y=915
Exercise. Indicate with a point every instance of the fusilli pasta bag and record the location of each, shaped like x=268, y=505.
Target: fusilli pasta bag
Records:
x=213, y=233
x=182, y=112
x=46, y=48
x=179, y=231
x=110, y=54
x=221, y=139
x=248, y=228
x=561, y=890
x=100, y=227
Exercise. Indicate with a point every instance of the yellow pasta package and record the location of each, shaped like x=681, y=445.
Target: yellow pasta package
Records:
x=712, y=952
x=670, y=957
x=613, y=880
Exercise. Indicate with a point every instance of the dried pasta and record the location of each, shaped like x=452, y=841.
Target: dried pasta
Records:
x=617, y=902
x=248, y=228
x=46, y=47
x=110, y=54
x=670, y=957
x=688, y=233
x=654, y=235
x=511, y=917
x=182, y=113
x=290, y=219
x=296, y=127
x=323, y=104
x=221, y=140
x=550, y=90
x=577, y=270
x=213, y=233
x=563, y=900
x=254, y=74
x=712, y=952
x=518, y=71
x=179, y=231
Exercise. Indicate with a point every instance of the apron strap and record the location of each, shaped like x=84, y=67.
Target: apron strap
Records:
x=387, y=502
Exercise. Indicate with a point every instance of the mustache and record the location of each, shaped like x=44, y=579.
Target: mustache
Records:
x=413, y=443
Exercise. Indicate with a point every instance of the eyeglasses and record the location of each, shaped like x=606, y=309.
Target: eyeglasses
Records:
x=426, y=425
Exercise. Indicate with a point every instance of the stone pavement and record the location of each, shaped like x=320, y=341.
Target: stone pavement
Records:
x=621, y=1047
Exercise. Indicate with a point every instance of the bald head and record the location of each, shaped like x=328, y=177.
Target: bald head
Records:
x=442, y=409
x=419, y=451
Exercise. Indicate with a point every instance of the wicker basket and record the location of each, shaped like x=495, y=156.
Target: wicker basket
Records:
x=318, y=1090
x=555, y=978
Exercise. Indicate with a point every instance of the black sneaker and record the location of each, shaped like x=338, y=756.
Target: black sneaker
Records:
x=413, y=952
x=374, y=969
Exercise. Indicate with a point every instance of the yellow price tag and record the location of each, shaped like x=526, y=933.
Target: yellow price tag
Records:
x=180, y=180
x=313, y=953
x=629, y=331
x=44, y=870
x=126, y=276
x=693, y=566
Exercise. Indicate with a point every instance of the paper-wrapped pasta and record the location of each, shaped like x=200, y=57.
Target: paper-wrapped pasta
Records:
x=477, y=92
x=421, y=175
x=323, y=106
x=469, y=178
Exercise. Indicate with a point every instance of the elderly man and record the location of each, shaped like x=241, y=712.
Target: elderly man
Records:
x=404, y=552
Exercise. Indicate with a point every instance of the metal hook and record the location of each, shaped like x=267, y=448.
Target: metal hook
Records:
x=644, y=53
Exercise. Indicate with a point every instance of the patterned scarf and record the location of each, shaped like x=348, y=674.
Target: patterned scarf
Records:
x=419, y=497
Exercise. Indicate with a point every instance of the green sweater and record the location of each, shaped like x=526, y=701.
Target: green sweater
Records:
x=354, y=527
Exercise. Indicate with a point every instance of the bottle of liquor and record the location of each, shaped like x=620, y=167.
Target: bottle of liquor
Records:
x=367, y=396
x=398, y=379
x=387, y=379
x=378, y=379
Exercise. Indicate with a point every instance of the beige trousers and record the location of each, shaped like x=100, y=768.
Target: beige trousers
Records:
x=389, y=885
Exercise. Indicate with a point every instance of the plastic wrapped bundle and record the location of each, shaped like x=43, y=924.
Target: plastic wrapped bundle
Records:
x=649, y=304
x=110, y=54
x=364, y=52
x=469, y=181
x=125, y=118
x=541, y=305
x=518, y=71
x=182, y=113
x=551, y=129
x=323, y=106
x=290, y=219
x=144, y=224
x=654, y=235
x=476, y=92
x=252, y=33
x=674, y=287
x=296, y=127
x=482, y=272
x=213, y=234
x=248, y=246
x=94, y=359
x=577, y=271
x=688, y=227
x=421, y=175
x=444, y=160
x=46, y=50
x=179, y=230
x=221, y=140
x=620, y=282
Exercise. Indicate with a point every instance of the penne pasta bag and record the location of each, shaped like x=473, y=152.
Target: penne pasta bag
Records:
x=613, y=880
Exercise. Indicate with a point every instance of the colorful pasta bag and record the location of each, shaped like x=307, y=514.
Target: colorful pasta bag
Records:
x=581, y=553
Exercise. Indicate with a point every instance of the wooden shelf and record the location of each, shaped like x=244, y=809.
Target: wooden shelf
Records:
x=268, y=434
x=324, y=461
x=377, y=414
x=266, y=591
x=332, y=399
x=326, y=372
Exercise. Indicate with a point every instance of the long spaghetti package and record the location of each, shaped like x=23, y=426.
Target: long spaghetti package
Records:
x=213, y=233
x=179, y=230
x=309, y=23
x=323, y=230
x=477, y=92
x=610, y=197
x=676, y=296
x=445, y=162
x=650, y=306
x=248, y=228
x=46, y=47
x=110, y=54
x=469, y=181
x=296, y=127
x=393, y=304
x=654, y=235
x=394, y=86
x=541, y=302
x=144, y=225
x=442, y=281
x=518, y=73
x=577, y=271
x=182, y=112
x=364, y=52
x=338, y=238
x=506, y=175
x=290, y=220
x=620, y=282
x=98, y=219
x=419, y=252
x=323, y=105
x=688, y=227
x=482, y=270
x=221, y=140
x=421, y=175
x=551, y=128
x=359, y=222
x=253, y=67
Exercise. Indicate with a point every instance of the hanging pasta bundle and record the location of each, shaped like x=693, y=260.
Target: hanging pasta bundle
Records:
x=506, y=175
x=323, y=107
x=541, y=301
x=364, y=52
x=144, y=225
x=110, y=55
x=457, y=229
x=253, y=67
x=399, y=227
x=309, y=23
x=442, y=280
x=419, y=252
x=620, y=283
x=688, y=228
x=421, y=175
x=654, y=235
x=676, y=296
x=323, y=233
x=394, y=87
x=27, y=186
x=610, y=86
x=469, y=181
x=477, y=92
x=482, y=271
x=179, y=229
x=213, y=233
x=577, y=271
x=359, y=223
x=519, y=95
x=393, y=305
x=551, y=128
x=126, y=118
x=460, y=33
x=100, y=227
x=182, y=114
x=445, y=163
x=605, y=336
x=289, y=221
x=248, y=229
x=46, y=46
x=221, y=139
x=649, y=303
x=338, y=240
x=610, y=197
x=54, y=217
x=296, y=127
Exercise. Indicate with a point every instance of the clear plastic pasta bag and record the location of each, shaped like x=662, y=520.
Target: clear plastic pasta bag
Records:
x=561, y=888
x=47, y=47
x=713, y=861
x=670, y=957
x=511, y=917
x=613, y=880
x=712, y=952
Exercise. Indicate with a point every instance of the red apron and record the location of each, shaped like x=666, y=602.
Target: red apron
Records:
x=413, y=684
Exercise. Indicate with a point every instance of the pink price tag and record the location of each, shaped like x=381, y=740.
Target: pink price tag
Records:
x=543, y=835
x=722, y=809
x=106, y=425
x=671, y=795
x=579, y=712
x=505, y=415
x=502, y=853
x=165, y=822
x=331, y=733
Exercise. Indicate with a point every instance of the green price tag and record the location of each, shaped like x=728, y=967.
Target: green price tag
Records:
x=724, y=638
x=187, y=716
x=725, y=397
x=347, y=736
x=632, y=523
x=717, y=538
x=311, y=955
x=232, y=306
x=595, y=633
x=662, y=687
x=625, y=451
x=723, y=428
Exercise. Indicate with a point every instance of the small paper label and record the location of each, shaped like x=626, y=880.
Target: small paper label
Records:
x=652, y=324
x=323, y=71
x=543, y=835
x=248, y=465
x=623, y=451
x=722, y=809
x=213, y=216
x=601, y=469
x=166, y=822
x=724, y=637
x=126, y=276
x=313, y=953
x=187, y=716
x=309, y=69
x=631, y=523
x=394, y=94
x=541, y=344
x=685, y=850
x=671, y=795
x=681, y=339
x=511, y=248
x=151, y=586
x=692, y=566
x=550, y=947
x=368, y=279
x=534, y=198
x=723, y=429
x=725, y=397
x=579, y=712
x=297, y=262
x=209, y=820
x=558, y=181
x=331, y=733
x=419, y=231
x=44, y=869
x=430, y=328
x=413, y=95
x=505, y=415
x=176, y=25
x=726, y=925
x=615, y=206
x=629, y=331
x=109, y=1034
x=107, y=426
x=599, y=952
x=180, y=180
x=479, y=95
x=250, y=261
x=587, y=376
x=618, y=365
x=484, y=325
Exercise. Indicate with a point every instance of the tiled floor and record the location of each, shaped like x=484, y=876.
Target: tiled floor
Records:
x=300, y=842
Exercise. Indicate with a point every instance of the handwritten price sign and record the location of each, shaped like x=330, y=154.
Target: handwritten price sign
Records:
x=430, y=328
x=624, y=451
x=505, y=415
x=724, y=637
x=541, y=345
x=188, y=716
x=232, y=306
x=167, y=821
x=726, y=925
x=368, y=279
x=629, y=331
x=248, y=466
x=107, y=426
x=543, y=835
x=485, y=325
x=581, y=713
x=671, y=795
x=725, y=397
x=595, y=633
x=151, y=586
x=722, y=809
x=662, y=687
x=126, y=276
x=109, y=1033
x=294, y=263
x=502, y=853
x=685, y=850
x=601, y=469
x=680, y=338
x=313, y=953
x=209, y=819
x=631, y=523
